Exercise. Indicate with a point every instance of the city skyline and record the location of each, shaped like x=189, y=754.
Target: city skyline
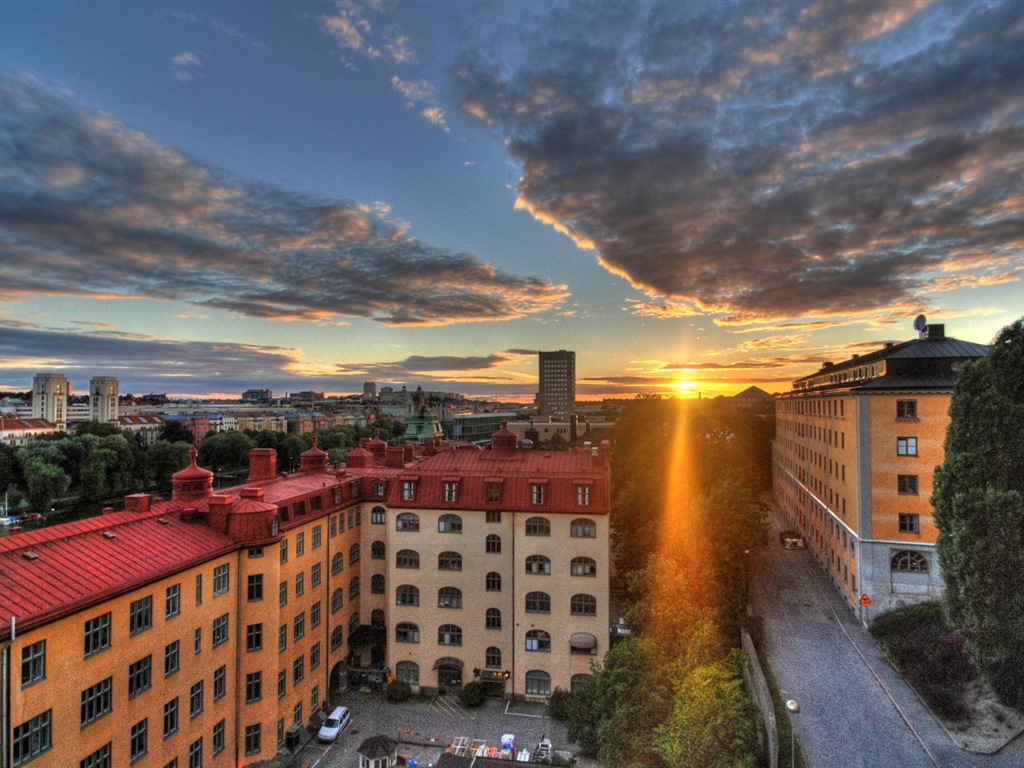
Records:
x=202, y=198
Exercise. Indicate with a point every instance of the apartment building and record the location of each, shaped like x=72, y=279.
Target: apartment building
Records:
x=200, y=630
x=856, y=445
x=50, y=398
x=557, y=383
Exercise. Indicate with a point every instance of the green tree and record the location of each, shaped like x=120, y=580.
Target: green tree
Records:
x=176, y=432
x=225, y=451
x=98, y=428
x=10, y=469
x=44, y=483
x=290, y=451
x=978, y=497
x=163, y=459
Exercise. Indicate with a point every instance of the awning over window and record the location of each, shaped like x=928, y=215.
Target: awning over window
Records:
x=449, y=662
x=583, y=640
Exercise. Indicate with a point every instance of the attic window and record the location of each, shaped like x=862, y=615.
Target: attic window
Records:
x=109, y=535
x=30, y=555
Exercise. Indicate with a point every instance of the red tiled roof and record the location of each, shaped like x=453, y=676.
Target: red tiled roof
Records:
x=15, y=424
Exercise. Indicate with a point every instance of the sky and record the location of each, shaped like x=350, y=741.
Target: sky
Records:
x=202, y=198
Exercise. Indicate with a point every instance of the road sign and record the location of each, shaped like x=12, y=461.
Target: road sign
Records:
x=865, y=600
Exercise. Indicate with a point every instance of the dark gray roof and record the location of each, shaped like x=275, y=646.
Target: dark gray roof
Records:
x=934, y=381
x=944, y=347
x=448, y=760
x=378, y=746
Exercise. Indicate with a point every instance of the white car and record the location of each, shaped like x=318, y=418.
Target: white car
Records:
x=335, y=723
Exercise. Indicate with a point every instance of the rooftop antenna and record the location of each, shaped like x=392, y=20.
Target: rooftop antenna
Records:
x=920, y=323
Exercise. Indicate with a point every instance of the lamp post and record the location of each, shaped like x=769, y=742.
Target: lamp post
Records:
x=793, y=706
x=746, y=581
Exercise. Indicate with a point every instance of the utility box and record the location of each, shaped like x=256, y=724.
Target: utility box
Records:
x=291, y=738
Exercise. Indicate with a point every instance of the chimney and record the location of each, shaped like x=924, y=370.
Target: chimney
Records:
x=262, y=464
x=107, y=510
x=395, y=456
x=935, y=331
x=219, y=506
x=408, y=452
x=251, y=492
x=137, y=502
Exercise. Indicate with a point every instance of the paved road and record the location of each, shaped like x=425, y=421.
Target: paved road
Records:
x=855, y=711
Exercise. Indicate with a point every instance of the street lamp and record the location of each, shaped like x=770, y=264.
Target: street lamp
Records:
x=746, y=581
x=793, y=706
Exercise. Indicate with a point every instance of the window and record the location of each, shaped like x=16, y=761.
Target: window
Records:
x=537, y=493
x=492, y=619
x=139, y=744
x=353, y=554
x=583, y=495
x=96, y=701
x=282, y=683
x=906, y=409
x=492, y=545
x=493, y=497
x=451, y=492
x=300, y=543
x=538, y=640
x=199, y=640
x=408, y=672
x=284, y=551
x=408, y=490
x=315, y=577
x=449, y=524
x=33, y=663
x=254, y=637
x=98, y=759
x=353, y=588
x=195, y=753
x=334, y=518
x=314, y=615
x=492, y=582
x=300, y=584
x=449, y=597
x=377, y=584
x=906, y=484
x=220, y=677
x=906, y=446
x=141, y=617
x=449, y=561
x=910, y=523
x=220, y=630
x=407, y=633
x=317, y=536
x=282, y=593
x=253, y=739
x=538, y=526
x=583, y=605
x=581, y=528
x=449, y=634
x=538, y=683
x=583, y=566
x=97, y=634
x=538, y=602
x=254, y=589
x=909, y=562
x=297, y=714
x=195, y=699
x=407, y=521
x=378, y=489
x=172, y=658
x=407, y=558
x=253, y=687
x=139, y=676
x=254, y=552
x=353, y=622
x=171, y=717
x=221, y=578
x=407, y=594
x=337, y=599
x=377, y=550
x=337, y=638
x=337, y=564
x=378, y=516
x=298, y=670
x=218, y=738
x=492, y=657
x=538, y=564
x=172, y=601
x=299, y=626
x=199, y=589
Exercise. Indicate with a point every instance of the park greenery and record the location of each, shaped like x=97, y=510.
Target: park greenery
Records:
x=978, y=497
x=685, y=513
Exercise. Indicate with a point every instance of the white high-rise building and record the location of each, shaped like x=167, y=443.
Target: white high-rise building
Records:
x=103, y=394
x=50, y=398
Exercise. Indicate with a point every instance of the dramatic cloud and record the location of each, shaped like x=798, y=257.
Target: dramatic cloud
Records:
x=89, y=207
x=763, y=161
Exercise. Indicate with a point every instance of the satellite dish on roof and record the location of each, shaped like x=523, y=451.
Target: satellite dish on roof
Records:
x=919, y=322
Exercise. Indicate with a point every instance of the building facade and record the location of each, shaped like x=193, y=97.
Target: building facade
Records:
x=202, y=629
x=856, y=445
x=103, y=399
x=556, y=393
x=50, y=398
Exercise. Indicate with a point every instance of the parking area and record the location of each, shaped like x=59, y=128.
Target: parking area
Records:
x=426, y=726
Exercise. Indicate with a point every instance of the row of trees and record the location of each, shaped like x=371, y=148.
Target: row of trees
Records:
x=685, y=513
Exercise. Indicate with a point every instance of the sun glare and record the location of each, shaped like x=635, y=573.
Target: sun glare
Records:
x=684, y=386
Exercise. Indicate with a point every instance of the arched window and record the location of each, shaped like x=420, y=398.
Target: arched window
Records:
x=337, y=564
x=337, y=638
x=377, y=550
x=909, y=562
x=407, y=558
x=449, y=561
x=538, y=683
x=493, y=543
x=538, y=526
x=580, y=681
x=407, y=521
x=377, y=619
x=407, y=633
x=538, y=602
x=539, y=564
x=449, y=634
x=493, y=582
x=353, y=623
x=378, y=515
x=449, y=524
x=582, y=528
x=583, y=605
x=538, y=640
x=449, y=597
x=583, y=566
x=408, y=672
x=353, y=588
x=337, y=599
x=377, y=584
x=492, y=619
x=492, y=658
x=353, y=554
x=407, y=594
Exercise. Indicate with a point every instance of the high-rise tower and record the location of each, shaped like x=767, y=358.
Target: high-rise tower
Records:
x=103, y=393
x=557, y=387
x=50, y=398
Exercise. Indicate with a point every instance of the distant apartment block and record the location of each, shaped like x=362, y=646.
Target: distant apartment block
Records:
x=257, y=396
x=556, y=393
x=17, y=432
x=856, y=444
x=50, y=398
x=103, y=399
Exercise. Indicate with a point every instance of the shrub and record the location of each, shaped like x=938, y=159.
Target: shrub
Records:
x=561, y=704
x=473, y=694
x=399, y=691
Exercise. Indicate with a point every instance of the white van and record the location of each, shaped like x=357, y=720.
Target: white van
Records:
x=335, y=723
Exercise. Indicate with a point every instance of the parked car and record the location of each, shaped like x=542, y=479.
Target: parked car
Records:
x=335, y=723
